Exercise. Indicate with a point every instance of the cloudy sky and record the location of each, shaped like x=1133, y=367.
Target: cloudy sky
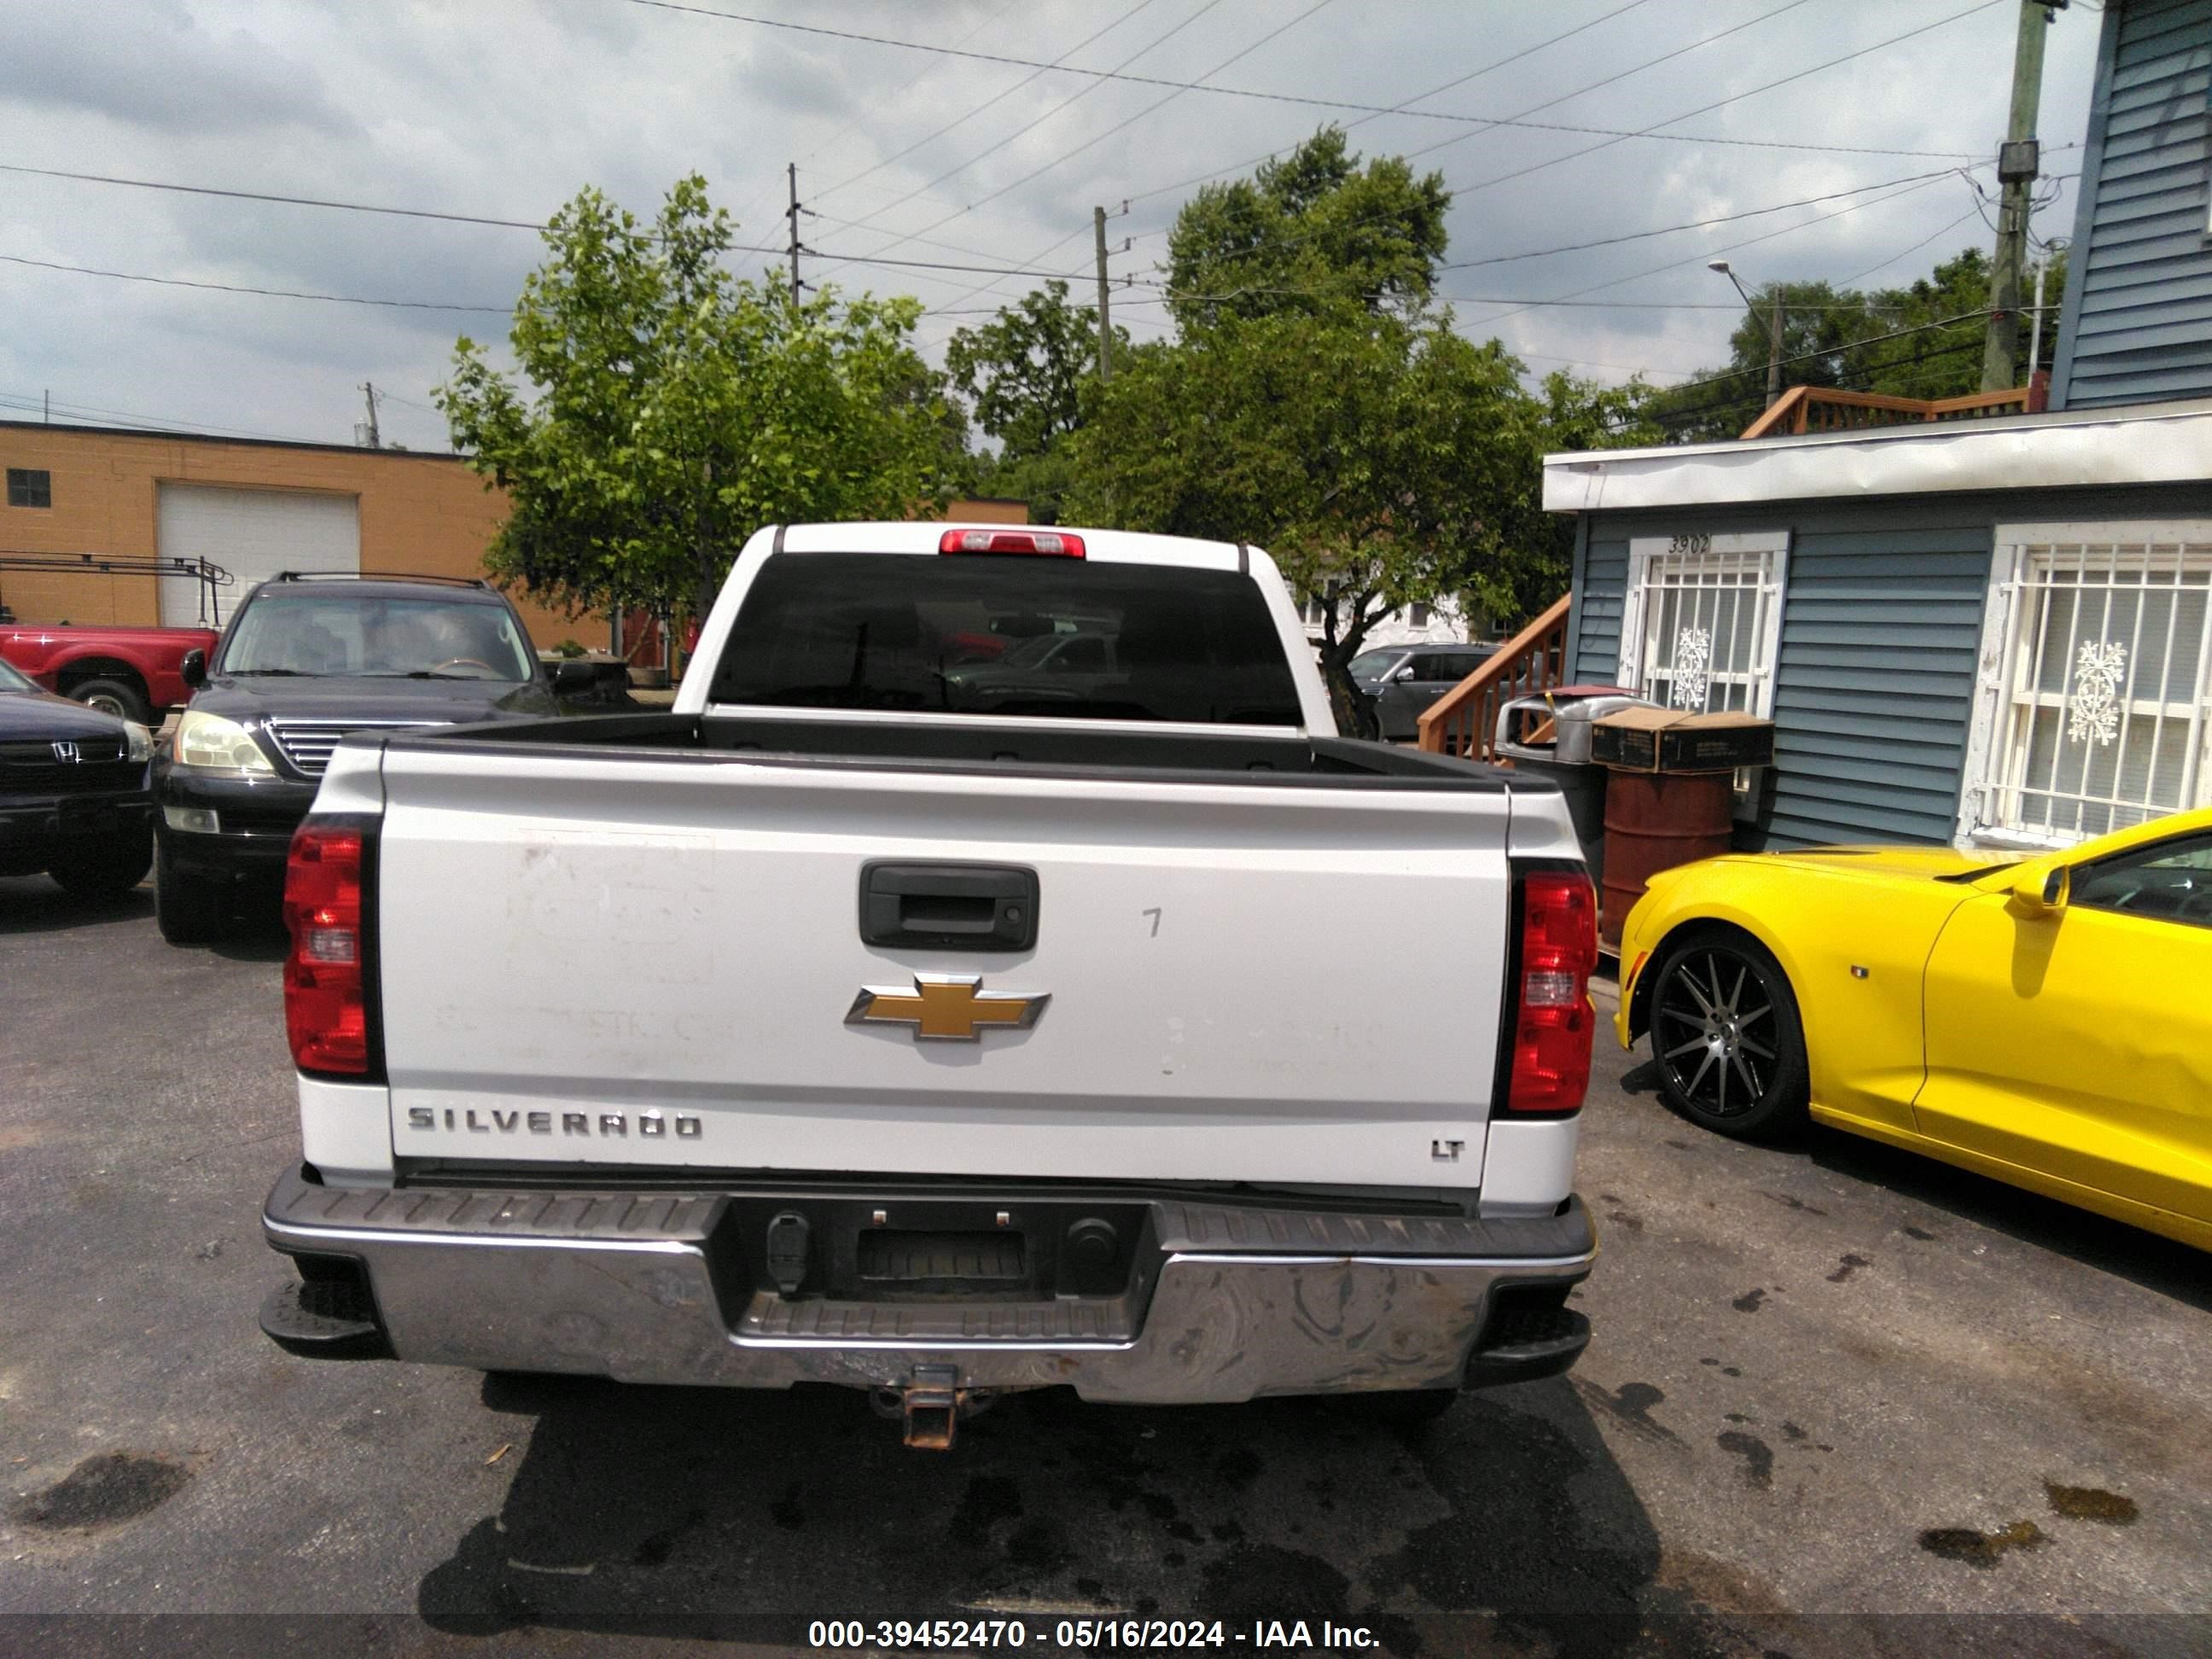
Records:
x=502, y=108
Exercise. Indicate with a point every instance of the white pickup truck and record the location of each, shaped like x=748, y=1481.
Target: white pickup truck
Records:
x=968, y=987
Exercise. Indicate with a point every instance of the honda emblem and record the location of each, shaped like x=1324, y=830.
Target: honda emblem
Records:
x=69, y=752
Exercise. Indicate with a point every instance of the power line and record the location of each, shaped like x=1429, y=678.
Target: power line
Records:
x=1697, y=224
x=1731, y=247
x=1515, y=58
x=980, y=105
x=1637, y=69
x=1576, y=297
x=73, y=410
x=263, y=196
x=1029, y=126
x=853, y=126
x=333, y=204
x=1099, y=139
x=1640, y=236
x=1270, y=97
x=1859, y=276
x=1756, y=394
x=240, y=288
x=1838, y=349
x=1549, y=103
x=1650, y=131
x=1706, y=109
x=1515, y=351
x=427, y=409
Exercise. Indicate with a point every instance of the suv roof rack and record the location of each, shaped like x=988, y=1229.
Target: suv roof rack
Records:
x=377, y=576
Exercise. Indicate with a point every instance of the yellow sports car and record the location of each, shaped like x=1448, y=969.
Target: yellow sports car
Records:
x=2046, y=1021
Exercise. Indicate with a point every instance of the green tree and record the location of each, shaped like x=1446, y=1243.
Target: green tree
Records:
x=1383, y=462
x=1024, y=372
x=1922, y=340
x=1308, y=232
x=1818, y=321
x=665, y=410
x=1944, y=361
x=1313, y=402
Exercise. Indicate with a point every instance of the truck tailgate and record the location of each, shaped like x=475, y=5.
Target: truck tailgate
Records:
x=652, y=961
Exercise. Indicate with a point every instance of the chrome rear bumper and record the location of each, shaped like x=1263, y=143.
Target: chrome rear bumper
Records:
x=1230, y=1302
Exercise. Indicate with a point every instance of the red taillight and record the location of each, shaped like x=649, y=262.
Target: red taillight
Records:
x=325, y=1011
x=1553, y=1022
x=1054, y=543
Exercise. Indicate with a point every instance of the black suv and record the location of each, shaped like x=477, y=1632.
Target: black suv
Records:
x=307, y=658
x=73, y=798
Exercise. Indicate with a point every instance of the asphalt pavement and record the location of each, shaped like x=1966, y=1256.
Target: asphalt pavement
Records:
x=1834, y=1390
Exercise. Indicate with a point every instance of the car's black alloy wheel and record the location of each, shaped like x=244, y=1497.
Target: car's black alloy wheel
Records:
x=1725, y=1034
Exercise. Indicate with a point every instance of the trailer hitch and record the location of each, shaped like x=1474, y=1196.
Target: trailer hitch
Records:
x=931, y=1404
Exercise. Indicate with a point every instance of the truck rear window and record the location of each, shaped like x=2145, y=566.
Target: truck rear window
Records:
x=1005, y=635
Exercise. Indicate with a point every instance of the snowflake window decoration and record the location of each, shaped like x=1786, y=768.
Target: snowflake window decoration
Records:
x=1693, y=648
x=2093, y=713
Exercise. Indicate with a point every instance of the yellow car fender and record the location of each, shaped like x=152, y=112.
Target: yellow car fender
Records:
x=1851, y=939
x=1667, y=907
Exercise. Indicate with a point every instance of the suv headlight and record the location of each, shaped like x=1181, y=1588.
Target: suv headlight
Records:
x=216, y=744
x=141, y=740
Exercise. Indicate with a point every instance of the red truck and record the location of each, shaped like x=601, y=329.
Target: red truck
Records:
x=129, y=672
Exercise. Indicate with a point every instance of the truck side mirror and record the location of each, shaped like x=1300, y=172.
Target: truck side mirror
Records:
x=2039, y=892
x=193, y=669
x=573, y=676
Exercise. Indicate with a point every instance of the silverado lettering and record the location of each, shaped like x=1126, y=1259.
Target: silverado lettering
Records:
x=572, y=1123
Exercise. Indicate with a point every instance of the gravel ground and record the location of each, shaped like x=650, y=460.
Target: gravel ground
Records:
x=1836, y=1392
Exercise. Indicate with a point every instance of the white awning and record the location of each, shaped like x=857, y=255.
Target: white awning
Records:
x=2140, y=444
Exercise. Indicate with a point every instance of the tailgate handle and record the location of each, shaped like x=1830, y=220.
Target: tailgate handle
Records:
x=960, y=907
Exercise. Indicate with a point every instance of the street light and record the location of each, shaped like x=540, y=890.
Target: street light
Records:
x=1773, y=329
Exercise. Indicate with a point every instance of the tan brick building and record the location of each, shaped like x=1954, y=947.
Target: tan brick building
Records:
x=254, y=507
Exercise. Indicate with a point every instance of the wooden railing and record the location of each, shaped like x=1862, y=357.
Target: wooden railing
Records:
x=1464, y=721
x=1828, y=409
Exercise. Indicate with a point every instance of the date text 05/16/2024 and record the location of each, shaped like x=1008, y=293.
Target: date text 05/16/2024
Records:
x=1086, y=1635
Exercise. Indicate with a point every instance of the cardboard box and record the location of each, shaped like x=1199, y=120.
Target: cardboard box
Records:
x=1676, y=740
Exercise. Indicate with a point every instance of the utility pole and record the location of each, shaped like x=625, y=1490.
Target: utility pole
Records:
x=372, y=437
x=1774, y=346
x=1105, y=323
x=792, y=213
x=2017, y=167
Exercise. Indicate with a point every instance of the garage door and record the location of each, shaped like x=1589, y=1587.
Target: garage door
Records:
x=252, y=534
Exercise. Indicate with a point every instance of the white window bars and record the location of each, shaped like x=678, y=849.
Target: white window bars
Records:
x=1702, y=618
x=2094, y=708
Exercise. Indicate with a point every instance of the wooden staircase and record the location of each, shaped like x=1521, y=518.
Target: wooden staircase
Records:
x=1464, y=721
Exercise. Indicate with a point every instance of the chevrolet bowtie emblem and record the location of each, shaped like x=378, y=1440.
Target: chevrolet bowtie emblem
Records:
x=945, y=1008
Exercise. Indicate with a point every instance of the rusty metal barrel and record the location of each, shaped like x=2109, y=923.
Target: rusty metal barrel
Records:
x=1653, y=821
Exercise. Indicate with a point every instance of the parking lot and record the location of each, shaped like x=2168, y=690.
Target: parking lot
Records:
x=1830, y=1384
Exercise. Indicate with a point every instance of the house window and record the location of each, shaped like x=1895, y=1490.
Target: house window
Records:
x=2096, y=690
x=1420, y=616
x=30, y=487
x=1701, y=618
x=1317, y=612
